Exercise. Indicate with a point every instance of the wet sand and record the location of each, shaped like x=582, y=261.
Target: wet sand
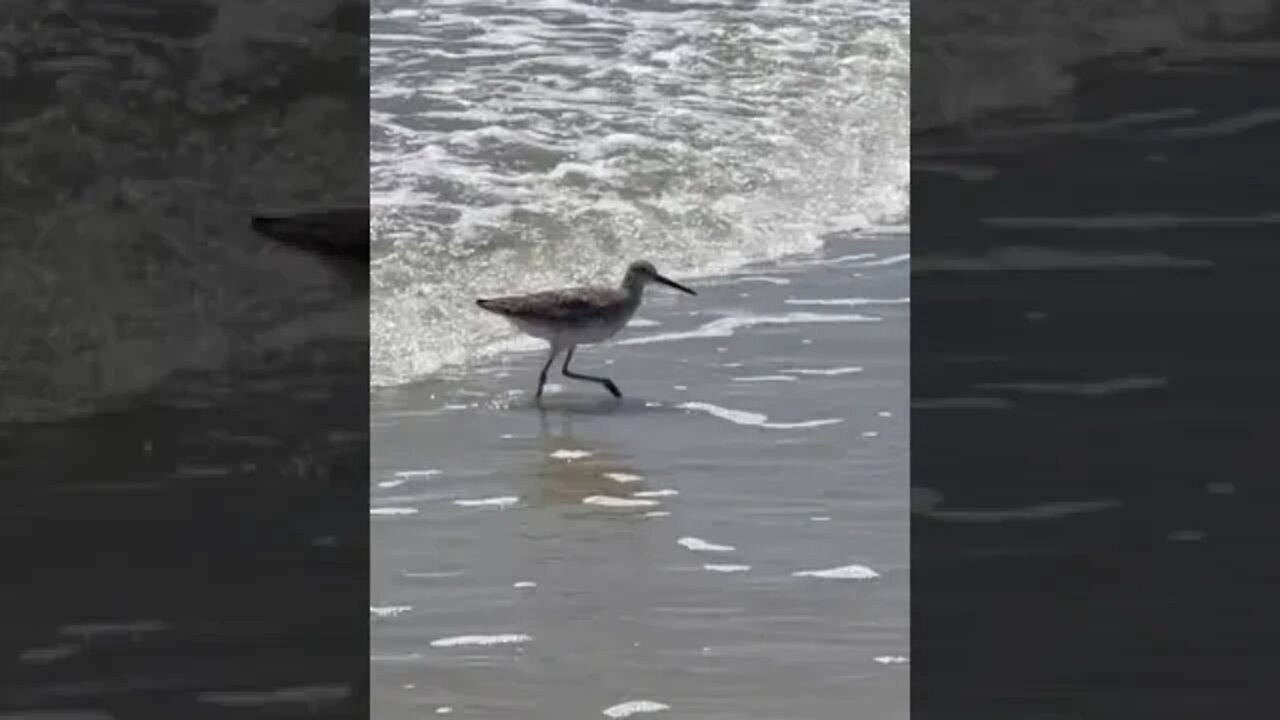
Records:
x=729, y=541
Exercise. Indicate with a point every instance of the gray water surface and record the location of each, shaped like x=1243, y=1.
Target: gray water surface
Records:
x=564, y=563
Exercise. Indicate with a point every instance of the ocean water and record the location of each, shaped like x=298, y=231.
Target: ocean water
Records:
x=729, y=540
x=518, y=145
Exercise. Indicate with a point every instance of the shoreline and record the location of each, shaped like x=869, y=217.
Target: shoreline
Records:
x=516, y=345
x=748, y=494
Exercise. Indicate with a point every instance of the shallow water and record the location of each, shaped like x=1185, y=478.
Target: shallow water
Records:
x=728, y=541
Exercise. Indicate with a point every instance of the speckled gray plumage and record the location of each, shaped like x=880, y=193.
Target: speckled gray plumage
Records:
x=569, y=306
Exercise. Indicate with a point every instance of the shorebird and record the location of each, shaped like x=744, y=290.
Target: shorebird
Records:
x=578, y=316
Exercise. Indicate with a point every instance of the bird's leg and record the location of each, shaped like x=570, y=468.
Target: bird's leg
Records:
x=542, y=376
x=606, y=382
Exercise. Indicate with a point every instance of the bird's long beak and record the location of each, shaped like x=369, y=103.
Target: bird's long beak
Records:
x=672, y=283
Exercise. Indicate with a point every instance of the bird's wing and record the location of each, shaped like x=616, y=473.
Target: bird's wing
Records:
x=575, y=304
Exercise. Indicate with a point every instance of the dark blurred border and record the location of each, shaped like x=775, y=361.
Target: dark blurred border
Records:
x=1091, y=453
x=138, y=585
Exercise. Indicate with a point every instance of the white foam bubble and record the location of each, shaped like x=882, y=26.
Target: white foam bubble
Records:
x=891, y=660
x=837, y=260
x=525, y=584
x=665, y=492
x=481, y=640
x=658, y=514
x=727, y=568
x=444, y=710
x=391, y=511
x=764, y=378
x=617, y=502
x=631, y=707
x=849, y=370
x=728, y=326
x=437, y=575
x=847, y=302
x=395, y=657
x=767, y=279
x=567, y=454
x=623, y=477
x=385, y=611
x=411, y=474
x=502, y=501
x=401, y=13
x=742, y=417
x=883, y=262
x=700, y=545
x=844, y=572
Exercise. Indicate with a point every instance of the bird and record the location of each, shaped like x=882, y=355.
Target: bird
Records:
x=570, y=317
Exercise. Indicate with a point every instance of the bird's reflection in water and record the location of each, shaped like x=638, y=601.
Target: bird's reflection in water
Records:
x=572, y=467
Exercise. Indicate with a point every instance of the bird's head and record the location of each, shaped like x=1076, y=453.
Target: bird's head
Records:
x=641, y=272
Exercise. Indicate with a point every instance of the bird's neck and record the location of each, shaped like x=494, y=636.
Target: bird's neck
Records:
x=634, y=287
